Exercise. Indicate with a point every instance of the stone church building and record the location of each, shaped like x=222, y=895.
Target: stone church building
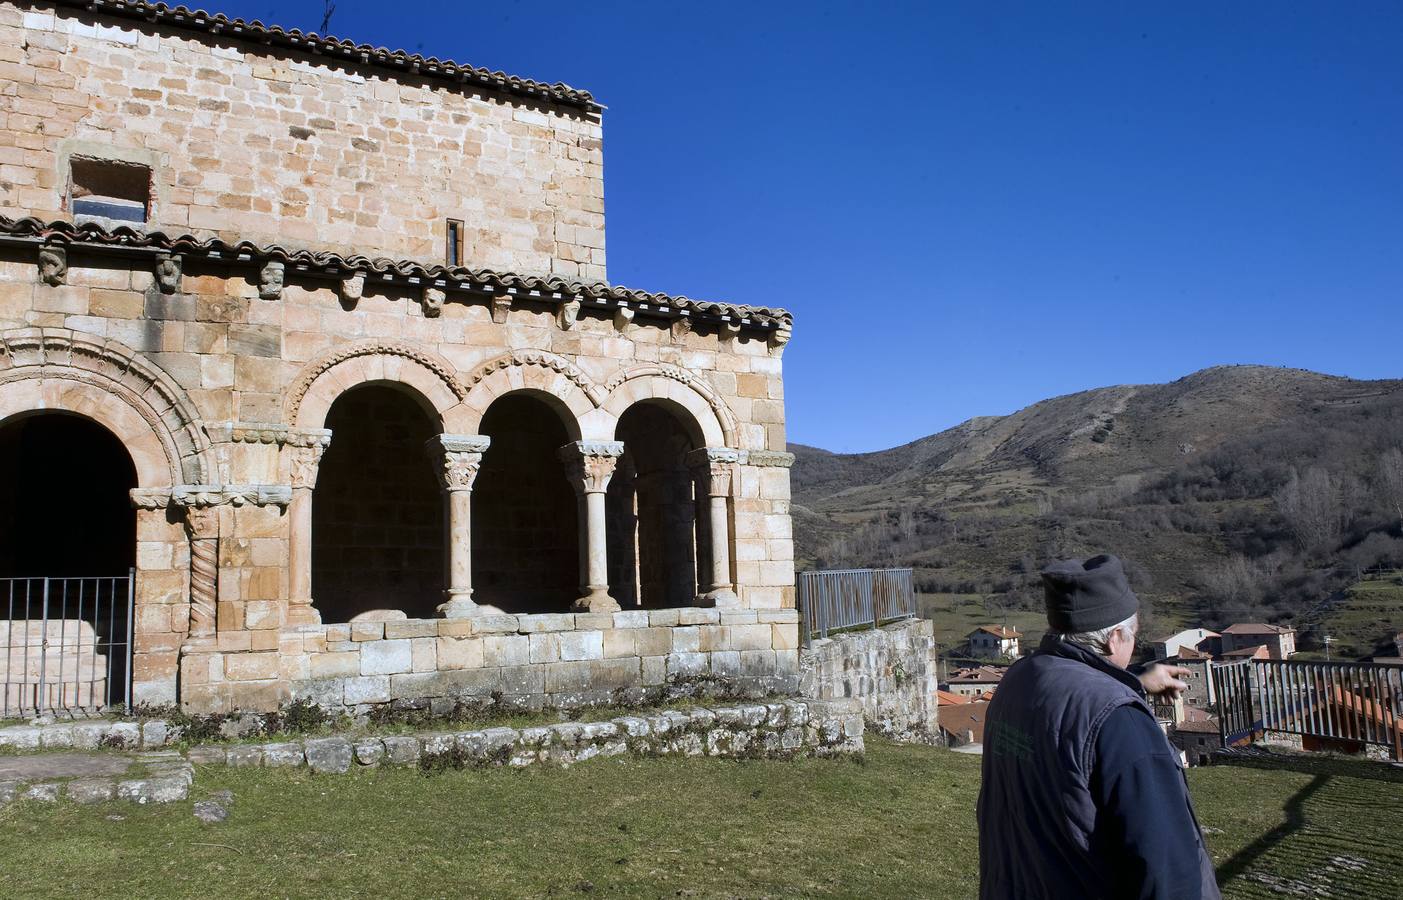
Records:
x=316, y=338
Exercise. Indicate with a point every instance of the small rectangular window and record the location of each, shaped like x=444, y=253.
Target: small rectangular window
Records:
x=107, y=189
x=453, y=254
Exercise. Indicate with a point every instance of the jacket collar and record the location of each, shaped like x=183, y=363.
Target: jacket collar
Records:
x=1052, y=645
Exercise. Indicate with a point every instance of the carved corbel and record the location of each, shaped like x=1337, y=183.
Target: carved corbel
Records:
x=569, y=314
x=623, y=317
x=501, y=306
x=433, y=302
x=353, y=288
x=681, y=327
x=270, y=280
x=781, y=335
x=730, y=330
x=168, y=267
x=53, y=265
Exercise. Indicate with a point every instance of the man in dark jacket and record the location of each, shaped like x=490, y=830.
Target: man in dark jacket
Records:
x=1083, y=796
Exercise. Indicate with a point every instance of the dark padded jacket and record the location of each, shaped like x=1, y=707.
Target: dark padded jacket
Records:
x=1083, y=797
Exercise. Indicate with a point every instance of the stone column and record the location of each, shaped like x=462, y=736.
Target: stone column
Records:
x=714, y=468
x=202, y=529
x=590, y=465
x=305, y=451
x=458, y=458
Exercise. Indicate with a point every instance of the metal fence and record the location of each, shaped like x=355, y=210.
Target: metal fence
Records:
x=67, y=644
x=837, y=599
x=1342, y=703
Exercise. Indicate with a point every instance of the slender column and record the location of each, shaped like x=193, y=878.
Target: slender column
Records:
x=714, y=468
x=590, y=465
x=202, y=529
x=458, y=458
x=305, y=456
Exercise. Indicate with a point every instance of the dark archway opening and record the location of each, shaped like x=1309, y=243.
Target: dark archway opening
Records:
x=653, y=511
x=525, y=529
x=378, y=510
x=66, y=497
x=67, y=547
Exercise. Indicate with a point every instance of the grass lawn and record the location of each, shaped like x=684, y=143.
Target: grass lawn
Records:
x=901, y=824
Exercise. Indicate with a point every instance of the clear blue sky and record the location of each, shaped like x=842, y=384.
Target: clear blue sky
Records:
x=971, y=207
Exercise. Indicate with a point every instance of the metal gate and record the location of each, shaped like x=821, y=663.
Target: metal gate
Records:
x=66, y=644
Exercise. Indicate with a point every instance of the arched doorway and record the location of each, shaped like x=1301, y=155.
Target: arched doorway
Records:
x=67, y=548
x=377, y=510
x=525, y=529
x=653, y=510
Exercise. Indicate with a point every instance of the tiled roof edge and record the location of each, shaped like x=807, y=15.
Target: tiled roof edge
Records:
x=198, y=21
x=330, y=263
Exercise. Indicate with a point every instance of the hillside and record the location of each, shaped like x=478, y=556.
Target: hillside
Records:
x=1192, y=482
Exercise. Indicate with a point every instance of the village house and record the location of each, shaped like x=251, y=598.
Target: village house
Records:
x=974, y=682
x=993, y=642
x=1200, y=693
x=1197, y=737
x=1200, y=639
x=1279, y=640
x=317, y=340
x=963, y=724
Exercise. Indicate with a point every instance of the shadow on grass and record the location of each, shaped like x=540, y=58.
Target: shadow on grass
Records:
x=1314, y=764
x=1295, y=819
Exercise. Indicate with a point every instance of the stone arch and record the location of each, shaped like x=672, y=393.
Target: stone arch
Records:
x=104, y=380
x=703, y=406
x=553, y=378
x=429, y=378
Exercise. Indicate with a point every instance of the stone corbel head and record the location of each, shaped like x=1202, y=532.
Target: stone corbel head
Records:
x=270, y=280
x=501, y=305
x=168, y=273
x=569, y=314
x=433, y=302
x=730, y=329
x=623, y=316
x=781, y=335
x=353, y=288
x=53, y=265
x=681, y=327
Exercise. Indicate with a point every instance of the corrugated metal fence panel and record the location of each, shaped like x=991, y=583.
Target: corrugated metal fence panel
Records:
x=1345, y=701
x=838, y=599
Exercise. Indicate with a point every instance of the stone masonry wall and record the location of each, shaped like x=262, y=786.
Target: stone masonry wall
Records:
x=260, y=145
x=891, y=671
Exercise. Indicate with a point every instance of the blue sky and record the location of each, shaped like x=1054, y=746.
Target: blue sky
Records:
x=971, y=207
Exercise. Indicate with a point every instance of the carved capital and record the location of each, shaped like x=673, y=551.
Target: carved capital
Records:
x=53, y=265
x=458, y=458
x=202, y=523
x=303, y=463
x=590, y=464
x=432, y=301
x=715, y=466
x=168, y=267
x=270, y=280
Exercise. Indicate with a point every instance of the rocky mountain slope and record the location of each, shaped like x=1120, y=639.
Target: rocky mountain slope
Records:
x=1177, y=477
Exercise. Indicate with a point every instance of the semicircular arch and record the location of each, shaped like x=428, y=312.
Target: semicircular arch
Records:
x=552, y=378
x=55, y=369
x=712, y=417
x=427, y=377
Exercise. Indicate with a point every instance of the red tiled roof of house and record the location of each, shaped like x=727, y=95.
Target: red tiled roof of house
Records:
x=978, y=675
x=1256, y=628
x=1191, y=653
x=999, y=631
x=956, y=720
x=1201, y=726
x=1258, y=651
x=952, y=699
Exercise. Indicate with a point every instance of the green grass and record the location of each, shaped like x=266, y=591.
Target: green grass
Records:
x=1366, y=618
x=899, y=825
x=956, y=615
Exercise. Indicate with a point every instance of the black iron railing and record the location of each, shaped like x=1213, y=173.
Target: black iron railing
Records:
x=840, y=599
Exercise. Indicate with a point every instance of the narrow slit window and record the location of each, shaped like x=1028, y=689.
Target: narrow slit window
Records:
x=453, y=254
x=109, y=190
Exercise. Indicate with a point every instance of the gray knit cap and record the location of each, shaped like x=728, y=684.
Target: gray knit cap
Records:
x=1087, y=595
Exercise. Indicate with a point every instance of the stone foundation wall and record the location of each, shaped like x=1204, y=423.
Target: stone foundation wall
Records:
x=534, y=661
x=890, y=671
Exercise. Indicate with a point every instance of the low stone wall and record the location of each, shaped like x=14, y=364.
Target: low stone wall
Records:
x=758, y=730
x=145, y=734
x=165, y=778
x=533, y=661
x=890, y=671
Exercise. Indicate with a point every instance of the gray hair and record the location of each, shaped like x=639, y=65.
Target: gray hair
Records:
x=1099, y=641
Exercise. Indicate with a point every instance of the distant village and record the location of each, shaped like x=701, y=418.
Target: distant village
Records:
x=1190, y=721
